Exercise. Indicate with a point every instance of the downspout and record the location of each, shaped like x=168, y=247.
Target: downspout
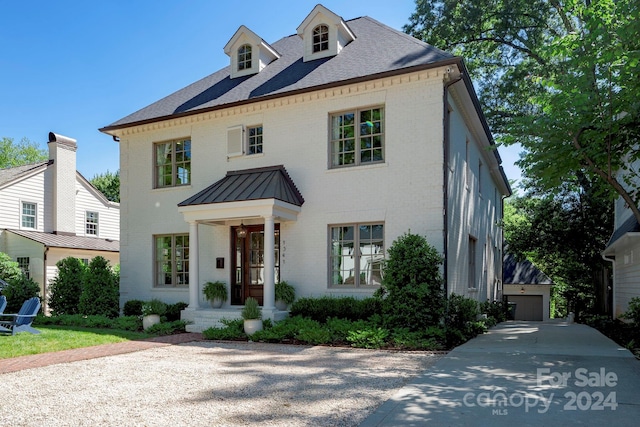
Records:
x=613, y=282
x=45, y=300
x=445, y=178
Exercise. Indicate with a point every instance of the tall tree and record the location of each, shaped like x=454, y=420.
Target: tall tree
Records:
x=21, y=153
x=559, y=77
x=109, y=184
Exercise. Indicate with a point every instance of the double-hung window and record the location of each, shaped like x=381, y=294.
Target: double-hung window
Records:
x=23, y=263
x=173, y=163
x=356, y=255
x=172, y=260
x=254, y=140
x=357, y=137
x=91, y=223
x=28, y=217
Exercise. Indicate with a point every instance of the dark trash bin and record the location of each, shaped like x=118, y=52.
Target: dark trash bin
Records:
x=511, y=313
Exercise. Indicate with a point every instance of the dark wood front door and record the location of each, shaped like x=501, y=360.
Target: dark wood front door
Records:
x=247, y=255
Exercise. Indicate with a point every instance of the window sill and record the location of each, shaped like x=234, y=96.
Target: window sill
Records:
x=244, y=156
x=357, y=168
x=175, y=187
x=473, y=290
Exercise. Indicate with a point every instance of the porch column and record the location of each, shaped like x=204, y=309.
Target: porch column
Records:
x=194, y=279
x=269, y=300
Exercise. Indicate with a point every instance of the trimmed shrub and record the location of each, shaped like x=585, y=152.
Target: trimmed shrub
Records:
x=460, y=320
x=167, y=328
x=66, y=288
x=368, y=337
x=495, y=309
x=233, y=330
x=100, y=293
x=9, y=269
x=18, y=291
x=173, y=311
x=133, y=307
x=412, y=295
x=155, y=306
x=323, y=308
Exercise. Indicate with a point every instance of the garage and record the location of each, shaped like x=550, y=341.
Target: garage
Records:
x=528, y=307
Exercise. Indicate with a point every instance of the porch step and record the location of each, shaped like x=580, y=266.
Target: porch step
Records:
x=202, y=319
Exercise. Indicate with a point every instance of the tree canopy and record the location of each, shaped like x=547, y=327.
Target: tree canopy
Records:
x=14, y=154
x=109, y=184
x=559, y=77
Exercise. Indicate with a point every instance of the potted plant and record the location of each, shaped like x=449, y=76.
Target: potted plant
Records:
x=252, y=316
x=285, y=294
x=151, y=312
x=216, y=293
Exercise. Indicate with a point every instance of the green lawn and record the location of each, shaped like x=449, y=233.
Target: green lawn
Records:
x=55, y=338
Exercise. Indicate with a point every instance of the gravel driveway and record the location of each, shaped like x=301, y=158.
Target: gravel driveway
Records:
x=211, y=384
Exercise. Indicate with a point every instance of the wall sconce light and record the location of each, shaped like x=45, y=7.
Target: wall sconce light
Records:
x=241, y=231
x=522, y=290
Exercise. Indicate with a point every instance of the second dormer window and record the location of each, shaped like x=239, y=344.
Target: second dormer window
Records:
x=320, y=38
x=244, y=57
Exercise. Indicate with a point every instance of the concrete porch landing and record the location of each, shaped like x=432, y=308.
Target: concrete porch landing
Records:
x=204, y=318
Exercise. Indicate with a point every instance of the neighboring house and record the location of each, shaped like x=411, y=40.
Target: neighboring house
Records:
x=303, y=160
x=50, y=212
x=527, y=287
x=623, y=251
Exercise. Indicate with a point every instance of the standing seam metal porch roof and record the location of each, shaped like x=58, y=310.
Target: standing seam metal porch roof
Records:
x=250, y=184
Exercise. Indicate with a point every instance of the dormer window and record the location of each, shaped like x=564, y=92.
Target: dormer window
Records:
x=320, y=38
x=244, y=57
x=249, y=54
x=324, y=34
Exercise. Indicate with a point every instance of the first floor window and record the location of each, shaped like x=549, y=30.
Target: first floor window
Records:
x=91, y=223
x=28, y=215
x=357, y=137
x=173, y=163
x=356, y=254
x=472, y=262
x=255, y=140
x=23, y=263
x=172, y=260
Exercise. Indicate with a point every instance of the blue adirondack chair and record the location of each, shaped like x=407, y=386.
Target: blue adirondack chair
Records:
x=3, y=303
x=21, y=322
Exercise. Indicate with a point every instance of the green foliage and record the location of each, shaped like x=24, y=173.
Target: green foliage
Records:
x=368, y=338
x=155, y=306
x=133, y=307
x=496, y=310
x=9, y=269
x=167, y=328
x=215, y=290
x=108, y=184
x=66, y=287
x=251, y=309
x=460, y=320
x=14, y=154
x=323, y=308
x=285, y=292
x=633, y=311
x=412, y=295
x=433, y=338
x=232, y=330
x=173, y=310
x=126, y=323
x=100, y=293
x=18, y=291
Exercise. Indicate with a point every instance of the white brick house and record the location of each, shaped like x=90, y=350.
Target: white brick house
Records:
x=50, y=211
x=324, y=147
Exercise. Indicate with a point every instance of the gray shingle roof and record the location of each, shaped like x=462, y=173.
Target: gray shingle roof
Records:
x=629, y=226
x=72, y=242
x=250, y=184
x=377, y=50
x=522, y=272
x=11, y=174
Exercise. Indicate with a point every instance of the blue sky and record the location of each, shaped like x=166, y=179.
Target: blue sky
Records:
x=71, y=66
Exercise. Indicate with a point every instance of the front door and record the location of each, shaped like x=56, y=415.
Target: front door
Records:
x=247, y=255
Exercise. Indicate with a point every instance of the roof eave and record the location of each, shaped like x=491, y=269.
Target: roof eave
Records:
x=109, y=130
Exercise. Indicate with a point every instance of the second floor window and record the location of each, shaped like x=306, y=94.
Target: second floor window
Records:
x=357, y=137
x=28, y=215
x=173, y=163
x=244, y=57
x=254, y=143
x=91, y=223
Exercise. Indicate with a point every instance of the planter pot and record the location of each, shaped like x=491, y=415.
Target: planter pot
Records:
x=281, y=305
x=149, y=321
x=216, y=303
x=252, y=325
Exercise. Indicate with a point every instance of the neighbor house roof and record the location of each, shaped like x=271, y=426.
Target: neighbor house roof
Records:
x=250, y=184
x=11, y=174
x=522, y=272
x=377, y=50
x=73, y=242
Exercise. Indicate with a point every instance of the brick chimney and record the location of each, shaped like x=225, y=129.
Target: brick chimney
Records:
x=62, y=186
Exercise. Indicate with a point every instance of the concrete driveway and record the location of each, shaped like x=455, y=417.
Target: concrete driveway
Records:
x=523, y=374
